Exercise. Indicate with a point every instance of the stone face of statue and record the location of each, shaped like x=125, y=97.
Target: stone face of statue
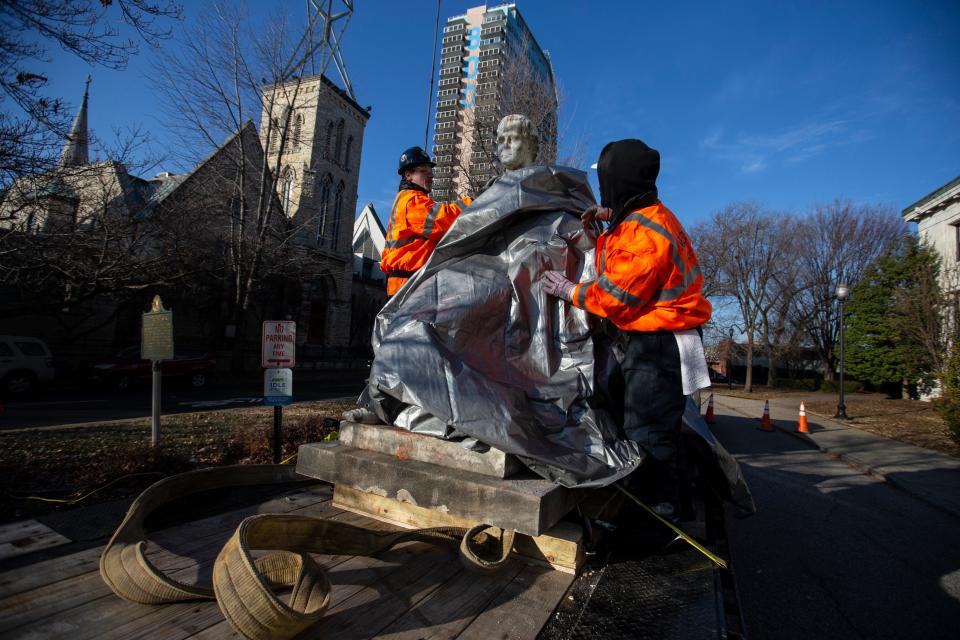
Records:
x=517, y=144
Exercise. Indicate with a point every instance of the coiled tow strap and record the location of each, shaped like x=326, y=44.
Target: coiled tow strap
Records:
x=242, y=585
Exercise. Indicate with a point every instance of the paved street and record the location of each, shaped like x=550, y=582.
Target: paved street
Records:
x=81, y=405
x=834, y=552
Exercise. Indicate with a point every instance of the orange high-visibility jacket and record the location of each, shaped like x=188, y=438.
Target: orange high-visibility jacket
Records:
x=416, y=225
x=648, y=278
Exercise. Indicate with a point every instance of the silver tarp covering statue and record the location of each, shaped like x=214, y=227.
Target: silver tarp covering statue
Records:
x=472, y=347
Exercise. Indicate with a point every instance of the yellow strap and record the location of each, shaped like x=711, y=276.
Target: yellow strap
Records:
x=717, y=560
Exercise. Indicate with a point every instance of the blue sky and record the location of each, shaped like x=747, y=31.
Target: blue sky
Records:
x=784, y=103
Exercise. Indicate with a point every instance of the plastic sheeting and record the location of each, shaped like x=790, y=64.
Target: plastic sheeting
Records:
x=472, y=347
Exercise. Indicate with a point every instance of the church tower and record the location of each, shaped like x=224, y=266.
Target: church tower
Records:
x=75, y=152
x=312, y=133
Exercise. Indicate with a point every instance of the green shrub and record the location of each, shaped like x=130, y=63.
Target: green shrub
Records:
x=849, y=386
x=949, y=403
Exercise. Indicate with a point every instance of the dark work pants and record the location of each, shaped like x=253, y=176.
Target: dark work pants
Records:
x=653, y=403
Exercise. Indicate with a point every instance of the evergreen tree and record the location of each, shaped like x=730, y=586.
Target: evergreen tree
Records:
x=883, y=345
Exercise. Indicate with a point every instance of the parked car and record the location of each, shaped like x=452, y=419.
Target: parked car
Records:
x=127, y=369
x=25, y=363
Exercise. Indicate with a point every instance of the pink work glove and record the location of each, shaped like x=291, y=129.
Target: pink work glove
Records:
x=593, y=214
x=556, y=284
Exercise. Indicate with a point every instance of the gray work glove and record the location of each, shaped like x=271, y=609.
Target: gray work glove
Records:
x=557, y=285
x=595, y=215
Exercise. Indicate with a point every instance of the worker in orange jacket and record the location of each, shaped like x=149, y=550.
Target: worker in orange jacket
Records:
x=649, y=286
x=416, y=222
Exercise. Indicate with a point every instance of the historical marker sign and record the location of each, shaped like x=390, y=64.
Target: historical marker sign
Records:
x=157, y=337
x=279, y=344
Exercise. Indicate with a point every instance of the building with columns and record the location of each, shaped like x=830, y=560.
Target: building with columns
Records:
x=938, y=223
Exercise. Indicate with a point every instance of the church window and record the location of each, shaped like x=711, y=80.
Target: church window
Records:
x=346, y=156
x=339, y=147
x=324, y=209
x=286, y=191
x=328, y=143
x=297, y=128
x=274, y=134
x=337, y=210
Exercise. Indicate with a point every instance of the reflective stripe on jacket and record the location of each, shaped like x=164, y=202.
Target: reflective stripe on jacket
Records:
x=648, y=276
x=416, y=225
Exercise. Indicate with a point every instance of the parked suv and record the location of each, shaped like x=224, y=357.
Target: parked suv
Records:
x=24, y=363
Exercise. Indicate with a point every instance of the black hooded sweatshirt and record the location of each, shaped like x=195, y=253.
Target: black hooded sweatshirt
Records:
x=627, y=172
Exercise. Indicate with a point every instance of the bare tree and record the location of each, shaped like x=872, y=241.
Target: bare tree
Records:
x=836, y=243
x=33, y=126
x=73, y=248
x=225, y=75
x=744, y=253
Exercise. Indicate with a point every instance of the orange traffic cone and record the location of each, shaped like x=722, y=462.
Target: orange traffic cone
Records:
x=802, y=420
x=710, y=417
x=765, y=421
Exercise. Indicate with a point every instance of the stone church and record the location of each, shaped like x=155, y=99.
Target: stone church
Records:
x=311, y=137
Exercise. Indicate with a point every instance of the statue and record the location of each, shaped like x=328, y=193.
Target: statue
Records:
x=472, y=348
x=517, y=142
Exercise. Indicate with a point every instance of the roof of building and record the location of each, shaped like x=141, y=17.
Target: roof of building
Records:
x=916, y=210
x=365, y=112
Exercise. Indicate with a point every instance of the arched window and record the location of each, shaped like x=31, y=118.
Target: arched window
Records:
x=328, y=144
x=339, y=147
x=286, y=191
x=337, y=211
x=322, y=220
x=347, y=153
x=274, y=135
x=297, y=128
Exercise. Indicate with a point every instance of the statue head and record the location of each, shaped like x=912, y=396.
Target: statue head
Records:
x=517, y=142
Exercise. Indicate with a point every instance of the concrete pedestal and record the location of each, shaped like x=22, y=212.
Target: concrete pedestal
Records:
x=526, y=503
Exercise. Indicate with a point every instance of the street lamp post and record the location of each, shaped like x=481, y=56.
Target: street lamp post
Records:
x=843, y=294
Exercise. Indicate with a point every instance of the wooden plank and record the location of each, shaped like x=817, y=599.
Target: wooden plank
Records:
x=446, y=612
x=378, y=605
x=55, y=569
x=522, y=608
x=27, y=536
x=354, y=576
x=114, y=618
x=52, y=606
x=559, y=548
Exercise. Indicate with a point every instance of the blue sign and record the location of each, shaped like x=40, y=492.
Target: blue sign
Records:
x=277, y=387
x=470, y=67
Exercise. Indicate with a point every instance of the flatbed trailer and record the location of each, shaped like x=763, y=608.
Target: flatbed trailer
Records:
x=635, y=585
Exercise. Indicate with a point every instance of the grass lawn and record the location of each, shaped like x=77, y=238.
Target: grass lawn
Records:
x=43, y=470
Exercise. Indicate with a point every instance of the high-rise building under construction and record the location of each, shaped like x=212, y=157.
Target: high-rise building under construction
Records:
x=490, y=66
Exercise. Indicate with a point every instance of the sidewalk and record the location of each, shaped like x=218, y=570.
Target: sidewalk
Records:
x=927, y=475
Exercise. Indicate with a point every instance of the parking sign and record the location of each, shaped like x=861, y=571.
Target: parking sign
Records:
x=278, y=347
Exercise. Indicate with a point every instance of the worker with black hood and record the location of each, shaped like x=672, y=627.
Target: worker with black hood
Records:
x=649, y=286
